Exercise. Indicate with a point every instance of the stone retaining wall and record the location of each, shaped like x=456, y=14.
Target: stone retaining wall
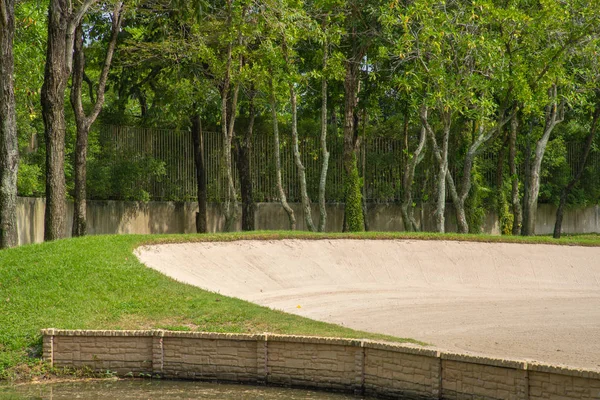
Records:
x=117, y=217
x=359, y=366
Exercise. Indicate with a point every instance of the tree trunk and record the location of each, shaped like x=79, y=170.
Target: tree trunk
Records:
x=512, y=154
x=9, y=151
x=198, y=139
x=282, y=196
x=62, y=23
x=244, y=149
x=306, y=203
x=441, y=155
x=459, y=195
x=353, y=212
x=228, y=115
x=441, y=185
x=324, y=152
x=554, y=115
x=407, y=209
x=80, y=205
x=526, y=179
x=56, y=76
x=83, y=121
x=567, y=189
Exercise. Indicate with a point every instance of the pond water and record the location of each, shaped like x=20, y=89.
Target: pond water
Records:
x=158, y=390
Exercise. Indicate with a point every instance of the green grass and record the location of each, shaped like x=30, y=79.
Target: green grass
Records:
x=97, y=283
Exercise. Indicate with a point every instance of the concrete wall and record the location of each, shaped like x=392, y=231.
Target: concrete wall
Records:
x=359, y=366
x=110, y=217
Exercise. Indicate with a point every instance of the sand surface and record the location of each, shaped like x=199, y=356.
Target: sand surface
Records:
x=535, y=302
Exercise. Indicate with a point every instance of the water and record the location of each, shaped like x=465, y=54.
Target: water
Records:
x=159, y=390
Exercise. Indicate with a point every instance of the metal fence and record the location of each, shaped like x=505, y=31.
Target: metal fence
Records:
x=381, y=165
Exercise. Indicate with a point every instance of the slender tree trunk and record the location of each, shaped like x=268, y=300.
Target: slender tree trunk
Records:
x=198, y=139
x=512, y=155
x=407, y=209
x=306, y=203
x=554, y=115
x=228, y=116
x=80, y=204
x=459, y=199
x=9, y=151
x=526, y=179
x=567, y=189
x=62, y=23
x=459, y=195
x=324, y=152
x=84, y=122
x=244, y=149
x=353, y=212
x=441, y=155
x=79, y=207
x=363, y=175
x=282, y=196
x=442, y=173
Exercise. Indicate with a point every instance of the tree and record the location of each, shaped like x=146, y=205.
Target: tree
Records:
x=299, y=22
x=9, y=154
x=324, y=151
x=584, y=157
x=554, y=115
x=229, y=107
x=275, y=51
x=406, y=207
x=554, y=34
x=453, y=57
x=85, y=120
x=277, y=146
x=361, y=33
x=63, y=21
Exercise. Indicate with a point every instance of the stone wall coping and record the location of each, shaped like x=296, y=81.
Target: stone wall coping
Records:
x=81, y=332
x=370, y=344
x=563, y=370
x=400, y=348
x=472, y=359
x=210, y=335
x=314, y=340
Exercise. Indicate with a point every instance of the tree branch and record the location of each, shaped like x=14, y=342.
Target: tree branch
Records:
x=87, y=80
x=116, y=25
x=77, y=78
x=3, y=13
x=77, y=17
x=74, y=22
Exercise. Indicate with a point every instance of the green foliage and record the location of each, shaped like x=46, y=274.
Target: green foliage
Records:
x=30, y=180
x=353, y=200
x=124, y=177
x=475, y=204
x=556, y=173
x=505, y=216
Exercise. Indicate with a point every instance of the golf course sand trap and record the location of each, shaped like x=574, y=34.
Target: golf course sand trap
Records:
x=524, y=301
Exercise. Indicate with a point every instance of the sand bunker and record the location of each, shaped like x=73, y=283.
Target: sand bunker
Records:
x=537, y=302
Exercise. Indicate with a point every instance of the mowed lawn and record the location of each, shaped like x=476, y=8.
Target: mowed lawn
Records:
x=97, y=283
